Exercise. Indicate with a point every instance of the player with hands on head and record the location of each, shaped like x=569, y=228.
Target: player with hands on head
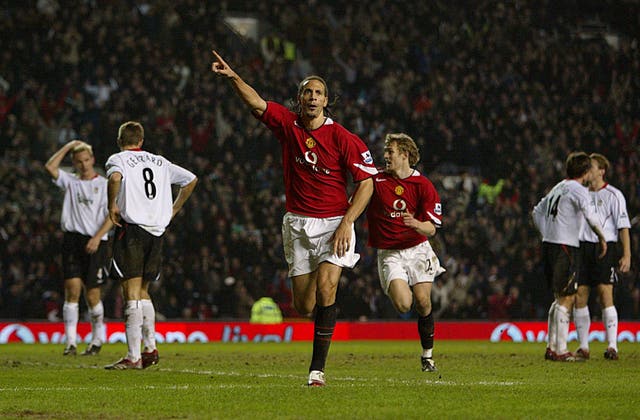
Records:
x=85, y=224
x=558, y=217
x=610, y=208
x=141, y=205
x=404, y=212
x=318, y=231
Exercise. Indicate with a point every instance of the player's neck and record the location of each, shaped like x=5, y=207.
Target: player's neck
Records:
x=85, y=176
x=597, y=185
x=312, y=123
x=403, y=173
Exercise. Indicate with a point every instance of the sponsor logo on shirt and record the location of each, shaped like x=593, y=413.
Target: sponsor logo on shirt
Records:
x=83, y=200
x=366, y=157
x=399, y=206
x=310, y=160
x=438, y=209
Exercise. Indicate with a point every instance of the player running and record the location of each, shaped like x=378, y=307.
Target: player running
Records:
x=404, y=211
x=317, y=230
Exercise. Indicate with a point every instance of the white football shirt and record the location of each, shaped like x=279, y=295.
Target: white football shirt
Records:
x=84, y=208
x=610, y=208
x=145, y=197
x=559, y=216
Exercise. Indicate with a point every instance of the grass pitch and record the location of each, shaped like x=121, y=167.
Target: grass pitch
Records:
x=365, y=379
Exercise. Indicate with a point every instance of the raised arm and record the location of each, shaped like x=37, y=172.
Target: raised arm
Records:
x=53, y=164
x=248, y=94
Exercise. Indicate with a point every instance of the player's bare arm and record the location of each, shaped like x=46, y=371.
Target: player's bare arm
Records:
x=342, y=236
x=94, y=242
x=183, y=195
x=624, y=265
x=248, y=94
x=113, y=188
x=427, y=228
x=53, y=164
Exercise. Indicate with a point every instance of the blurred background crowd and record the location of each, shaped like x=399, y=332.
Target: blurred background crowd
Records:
x=495, y=93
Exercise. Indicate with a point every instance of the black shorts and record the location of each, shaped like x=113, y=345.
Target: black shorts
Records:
x=594, y=270
x=91, y=268
x=561, y=268
x=136, y=253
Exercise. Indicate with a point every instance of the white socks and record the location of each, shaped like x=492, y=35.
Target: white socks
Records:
x=552, y=334
x=582, y=321
x=562, y=320
x=148, y=325
x=98, y=334
x=133, y=327
x=610, y=320
x=70, y=317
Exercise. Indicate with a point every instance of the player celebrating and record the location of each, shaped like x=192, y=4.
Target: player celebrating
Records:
x=558, y=217
x=140, y=204
x=318, y=232
x=85, y=224
x=404, y=211
x=610, y=207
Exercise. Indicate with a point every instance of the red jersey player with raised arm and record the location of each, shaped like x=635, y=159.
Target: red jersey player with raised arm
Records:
x=404, y=211
x=318, y=155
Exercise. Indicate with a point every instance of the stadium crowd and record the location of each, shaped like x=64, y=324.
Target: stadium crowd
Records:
x=495, y=93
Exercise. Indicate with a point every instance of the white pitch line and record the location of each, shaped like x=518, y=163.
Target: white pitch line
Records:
x=346, y=380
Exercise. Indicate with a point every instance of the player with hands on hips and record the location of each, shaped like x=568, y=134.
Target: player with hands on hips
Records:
x=141, y=205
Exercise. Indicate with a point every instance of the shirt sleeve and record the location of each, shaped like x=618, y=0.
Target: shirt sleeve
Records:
x=358, y=158
x=64, y=179
x=180, y=176
x=113, y=165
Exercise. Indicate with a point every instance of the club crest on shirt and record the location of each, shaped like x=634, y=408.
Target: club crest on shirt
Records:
x=311, y=143
x=399, y=190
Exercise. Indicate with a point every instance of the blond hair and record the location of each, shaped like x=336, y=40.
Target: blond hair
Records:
x=405, y=145
x=603, y=162
x=81, y=147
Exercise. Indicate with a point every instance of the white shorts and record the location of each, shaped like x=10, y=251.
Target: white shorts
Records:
x=307, y=243
x=418, y=264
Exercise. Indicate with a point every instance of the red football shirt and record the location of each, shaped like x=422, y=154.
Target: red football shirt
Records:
x=392, y=197
x=316, y=163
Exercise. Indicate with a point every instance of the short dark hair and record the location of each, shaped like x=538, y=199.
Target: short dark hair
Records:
x=577, y=164
x=130, y=134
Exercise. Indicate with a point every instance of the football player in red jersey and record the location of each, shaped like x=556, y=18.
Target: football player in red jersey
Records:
x=318, y=233
x=405, y=210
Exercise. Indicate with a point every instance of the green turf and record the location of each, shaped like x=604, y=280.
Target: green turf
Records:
x=364, y=380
